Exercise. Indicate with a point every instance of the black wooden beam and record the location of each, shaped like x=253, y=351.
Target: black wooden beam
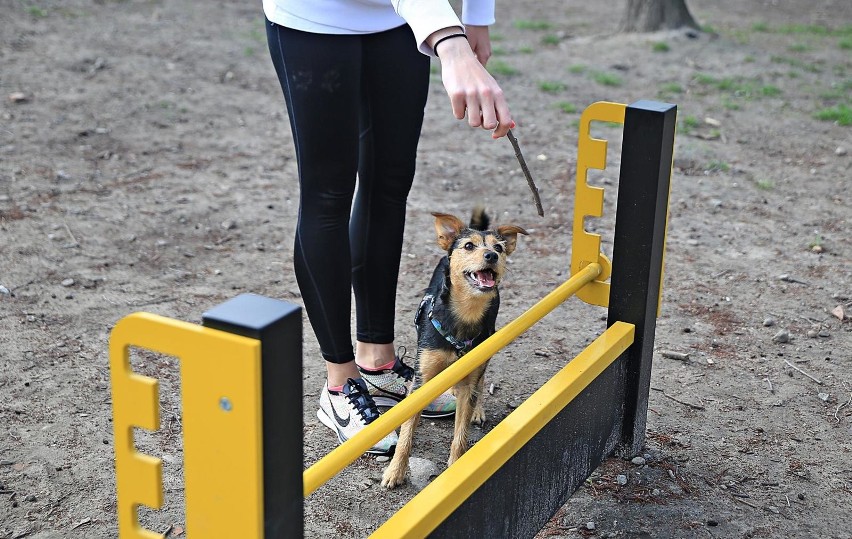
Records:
x=278, y=326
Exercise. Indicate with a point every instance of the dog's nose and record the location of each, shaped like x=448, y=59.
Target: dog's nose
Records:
x=490, y=257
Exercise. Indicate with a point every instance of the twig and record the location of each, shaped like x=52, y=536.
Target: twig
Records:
x=768, y=381
x=68, y=229
x=839, y=406
x=693, y=406
x=527, y=174
x=745, y=502
x=818, y=381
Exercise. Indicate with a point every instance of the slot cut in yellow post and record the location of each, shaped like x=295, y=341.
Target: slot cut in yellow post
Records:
x=221, y=402
x=588, y=201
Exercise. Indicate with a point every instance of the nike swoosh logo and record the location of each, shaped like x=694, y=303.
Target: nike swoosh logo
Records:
x=340, y=421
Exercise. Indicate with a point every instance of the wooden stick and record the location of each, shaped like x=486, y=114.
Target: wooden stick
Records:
x=693, y=406
x=803, y=372
x=527, y=174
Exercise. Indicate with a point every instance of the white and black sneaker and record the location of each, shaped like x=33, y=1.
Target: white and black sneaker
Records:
x=348, y=411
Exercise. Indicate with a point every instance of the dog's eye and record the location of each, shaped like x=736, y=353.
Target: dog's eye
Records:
x=498, y=247
x=469, y=246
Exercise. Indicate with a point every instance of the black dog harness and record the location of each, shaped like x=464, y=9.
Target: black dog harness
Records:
x=462, y=347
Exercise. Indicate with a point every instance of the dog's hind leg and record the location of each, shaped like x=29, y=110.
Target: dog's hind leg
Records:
x=465, y=403
x=478, y=415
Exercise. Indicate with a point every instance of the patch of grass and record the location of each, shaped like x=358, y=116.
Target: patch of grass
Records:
x=526, y=50
x=672, y=88
x=718, y=166
x=577, y=69
x=764, y=184
x=607, y=79
x=567, y=108
x=770, y=91
x=845, y=43
x=551, y=86
x=494, y=36
x=689, y=123
x=249, y=52
x=533, y=25
x=499, y=67
x=738, y=86
x=840, y=114
x=749, y=59
x=498, y=51
x=550, y=39
x=37, y=12
x=730, y=105
x=760, y=27
x=798, y=47
x=813, y=67
x=660, y=46
x=812, y=29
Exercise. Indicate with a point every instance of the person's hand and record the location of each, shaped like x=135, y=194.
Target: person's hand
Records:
x=471, y=89
x=480, y=42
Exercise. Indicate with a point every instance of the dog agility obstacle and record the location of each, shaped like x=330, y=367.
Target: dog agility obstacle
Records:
x=235, y=390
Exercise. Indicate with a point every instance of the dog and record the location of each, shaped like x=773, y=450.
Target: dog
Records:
x=458, y=312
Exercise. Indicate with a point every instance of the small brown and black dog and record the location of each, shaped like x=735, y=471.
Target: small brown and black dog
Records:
x=458, y=312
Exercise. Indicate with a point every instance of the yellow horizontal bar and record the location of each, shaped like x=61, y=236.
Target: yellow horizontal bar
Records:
x=448, y=491
x=344, y=454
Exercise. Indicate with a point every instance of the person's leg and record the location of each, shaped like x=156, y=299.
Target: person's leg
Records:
x=321, y=79
x=320, y=76
x=395, y=86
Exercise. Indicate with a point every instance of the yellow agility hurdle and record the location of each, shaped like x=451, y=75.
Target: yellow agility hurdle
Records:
x=512, y=480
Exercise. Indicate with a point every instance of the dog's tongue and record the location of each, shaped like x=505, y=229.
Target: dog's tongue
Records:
x=485, y=278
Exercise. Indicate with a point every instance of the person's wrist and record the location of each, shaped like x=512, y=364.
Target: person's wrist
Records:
x=440, y=36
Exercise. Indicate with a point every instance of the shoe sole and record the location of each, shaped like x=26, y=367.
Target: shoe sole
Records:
x=325, y=420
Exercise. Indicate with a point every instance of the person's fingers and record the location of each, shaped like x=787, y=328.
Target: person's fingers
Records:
x=474, y=110
x=458, y=102
x=489, y=113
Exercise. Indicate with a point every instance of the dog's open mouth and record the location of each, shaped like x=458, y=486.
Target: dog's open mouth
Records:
x=484, y=279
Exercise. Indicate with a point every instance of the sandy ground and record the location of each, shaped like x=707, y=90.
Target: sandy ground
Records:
x=146, y=165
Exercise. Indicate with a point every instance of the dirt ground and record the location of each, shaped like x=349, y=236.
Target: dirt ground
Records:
x=146, y=165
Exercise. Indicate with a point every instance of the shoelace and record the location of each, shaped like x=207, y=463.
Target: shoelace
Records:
x=400, y=367
x=362, y=402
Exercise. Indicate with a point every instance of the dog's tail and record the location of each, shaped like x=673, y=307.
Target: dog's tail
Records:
x=479, y=220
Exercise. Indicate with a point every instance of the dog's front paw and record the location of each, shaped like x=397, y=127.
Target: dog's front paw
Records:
x=478, y=415
x=393, y=476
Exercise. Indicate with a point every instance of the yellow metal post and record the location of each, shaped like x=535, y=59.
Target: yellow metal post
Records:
x=588, y=201
x=220, y=375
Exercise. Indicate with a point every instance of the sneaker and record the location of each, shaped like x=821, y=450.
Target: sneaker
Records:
x=348, y=411
x=389, y=386
x=443, y=406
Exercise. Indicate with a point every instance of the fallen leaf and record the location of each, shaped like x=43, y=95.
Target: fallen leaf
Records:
x=177, y=531
x=838, y=312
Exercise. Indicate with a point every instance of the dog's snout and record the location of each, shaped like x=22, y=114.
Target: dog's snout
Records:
x=491, y=257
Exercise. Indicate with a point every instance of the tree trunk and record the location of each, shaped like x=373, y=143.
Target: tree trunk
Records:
x=653, y=15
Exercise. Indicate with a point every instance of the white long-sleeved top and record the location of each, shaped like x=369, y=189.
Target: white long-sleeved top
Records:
x=368, y=16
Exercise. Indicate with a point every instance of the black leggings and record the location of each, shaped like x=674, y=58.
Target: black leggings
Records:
x=356, y=105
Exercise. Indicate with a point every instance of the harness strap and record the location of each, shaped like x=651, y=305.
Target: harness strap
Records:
x=462, y=346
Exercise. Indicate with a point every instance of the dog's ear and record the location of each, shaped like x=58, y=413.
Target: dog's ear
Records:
x=510, y=232
x=447, y=227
